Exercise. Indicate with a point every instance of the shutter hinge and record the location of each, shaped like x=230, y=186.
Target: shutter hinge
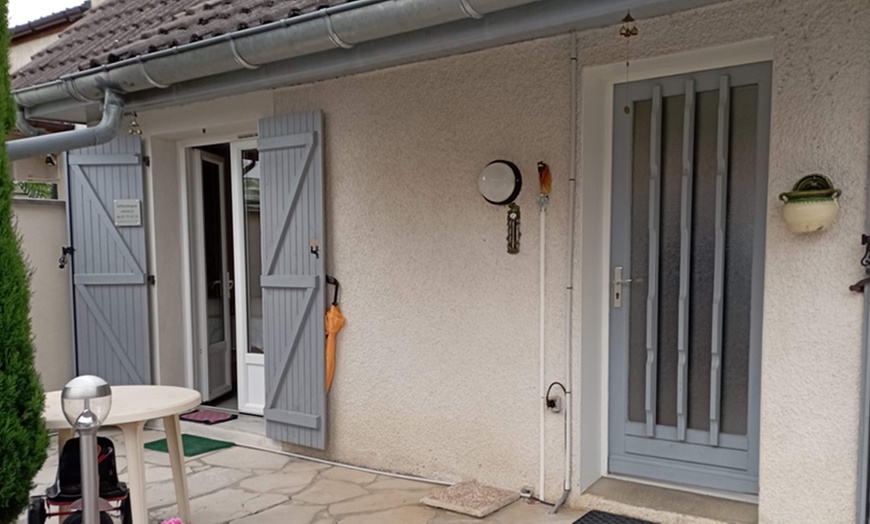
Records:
x=152, y=279
x=146, y=160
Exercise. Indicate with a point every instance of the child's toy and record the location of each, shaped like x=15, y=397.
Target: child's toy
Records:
x=66, y=492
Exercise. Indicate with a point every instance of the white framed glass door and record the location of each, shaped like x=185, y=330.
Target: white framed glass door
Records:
x=245, y=170
x=213, y=284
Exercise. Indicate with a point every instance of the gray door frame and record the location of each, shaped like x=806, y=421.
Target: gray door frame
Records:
x=705, y=459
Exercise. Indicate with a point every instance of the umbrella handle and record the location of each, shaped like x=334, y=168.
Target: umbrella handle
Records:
x=333, y=282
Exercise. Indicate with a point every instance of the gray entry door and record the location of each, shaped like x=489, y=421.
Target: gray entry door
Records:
x=689, y=208
x=293, y=253
x=109, y=264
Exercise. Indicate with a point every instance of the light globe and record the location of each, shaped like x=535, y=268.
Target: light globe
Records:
x=86, y=401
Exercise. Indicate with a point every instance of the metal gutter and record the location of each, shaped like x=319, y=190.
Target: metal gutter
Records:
x=342, y=26
x=529, y=21
x=106, y=130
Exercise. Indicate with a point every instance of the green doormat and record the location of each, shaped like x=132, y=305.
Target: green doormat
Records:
x=193, y=445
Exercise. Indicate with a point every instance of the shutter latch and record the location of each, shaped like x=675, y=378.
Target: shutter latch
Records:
x=314, y=249
x=65, y=251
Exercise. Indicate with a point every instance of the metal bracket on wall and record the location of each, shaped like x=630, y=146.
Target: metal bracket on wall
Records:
x=859, y=286
x=65, y=252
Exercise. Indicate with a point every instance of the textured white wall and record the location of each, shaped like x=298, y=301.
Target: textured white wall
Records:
x=43, y=231
x=437, y=368
x=812, y=327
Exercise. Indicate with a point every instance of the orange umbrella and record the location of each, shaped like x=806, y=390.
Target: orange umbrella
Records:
x=334, y=322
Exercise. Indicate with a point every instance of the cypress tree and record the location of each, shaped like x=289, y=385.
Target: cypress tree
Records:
x=23, y=437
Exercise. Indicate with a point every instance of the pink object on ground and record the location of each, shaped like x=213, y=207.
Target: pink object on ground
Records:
x=173, y=521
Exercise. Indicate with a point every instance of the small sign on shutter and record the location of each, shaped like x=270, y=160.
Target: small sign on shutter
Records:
x=128, y=213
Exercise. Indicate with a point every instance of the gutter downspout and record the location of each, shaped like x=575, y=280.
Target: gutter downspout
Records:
x=106, y=130
x=24, y=126
x=569, y=294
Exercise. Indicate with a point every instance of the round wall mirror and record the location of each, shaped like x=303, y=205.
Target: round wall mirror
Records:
x=500, y=182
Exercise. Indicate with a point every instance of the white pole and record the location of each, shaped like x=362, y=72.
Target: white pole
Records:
x=542, y=355
x=569, y=288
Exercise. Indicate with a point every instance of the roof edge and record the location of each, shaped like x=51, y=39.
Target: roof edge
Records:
x=67, y=16
x=340, y=26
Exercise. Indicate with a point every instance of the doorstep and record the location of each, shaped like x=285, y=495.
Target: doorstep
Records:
x=665, y=505
x=247, y=430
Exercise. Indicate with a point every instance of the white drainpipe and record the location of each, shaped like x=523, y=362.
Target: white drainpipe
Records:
x=569, y=288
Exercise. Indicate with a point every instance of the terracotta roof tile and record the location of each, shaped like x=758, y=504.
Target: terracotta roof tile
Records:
x=120, y=29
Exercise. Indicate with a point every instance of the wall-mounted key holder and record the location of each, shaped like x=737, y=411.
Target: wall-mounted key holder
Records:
x=513, y=223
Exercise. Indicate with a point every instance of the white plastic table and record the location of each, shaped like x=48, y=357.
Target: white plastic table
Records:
x=132, y=406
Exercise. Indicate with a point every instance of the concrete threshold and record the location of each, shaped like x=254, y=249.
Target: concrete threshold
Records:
x=247, y=430
x=665, y=505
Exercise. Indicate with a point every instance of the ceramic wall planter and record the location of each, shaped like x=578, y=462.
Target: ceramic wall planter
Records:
x=811, y=205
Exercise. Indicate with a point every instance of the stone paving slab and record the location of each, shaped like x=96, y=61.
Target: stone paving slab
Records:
x=406, y=515
x=326, y=491
x=245, y=486
x=471, y=498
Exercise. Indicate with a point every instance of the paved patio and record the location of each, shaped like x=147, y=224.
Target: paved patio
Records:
x=245, y=486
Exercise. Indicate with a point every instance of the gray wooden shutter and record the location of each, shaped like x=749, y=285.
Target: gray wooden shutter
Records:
x=109, y=263
x=291, y=222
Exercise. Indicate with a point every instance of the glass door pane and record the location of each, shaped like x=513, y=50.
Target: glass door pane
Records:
x=251, y=185
x=213, y=260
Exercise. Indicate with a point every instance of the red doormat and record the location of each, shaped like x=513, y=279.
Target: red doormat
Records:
x=208, y=417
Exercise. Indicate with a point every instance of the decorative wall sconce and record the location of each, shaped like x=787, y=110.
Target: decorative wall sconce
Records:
x=811, y=205
x=500, y=183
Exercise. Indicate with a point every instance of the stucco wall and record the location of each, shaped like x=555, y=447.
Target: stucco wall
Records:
x=43, y=231
x=437, y=369
x=812, y=326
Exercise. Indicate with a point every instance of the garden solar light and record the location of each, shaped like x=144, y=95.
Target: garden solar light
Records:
x=86, y=401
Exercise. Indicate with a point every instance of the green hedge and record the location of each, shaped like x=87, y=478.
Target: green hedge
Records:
x=23, y=437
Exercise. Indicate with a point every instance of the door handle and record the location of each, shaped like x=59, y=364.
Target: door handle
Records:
x=618, y=281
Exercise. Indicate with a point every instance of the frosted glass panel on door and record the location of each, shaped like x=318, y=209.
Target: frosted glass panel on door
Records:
x=251, y=181
x=703, y=259
x=669, y=258
x=639, y=260
x=738, y=260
